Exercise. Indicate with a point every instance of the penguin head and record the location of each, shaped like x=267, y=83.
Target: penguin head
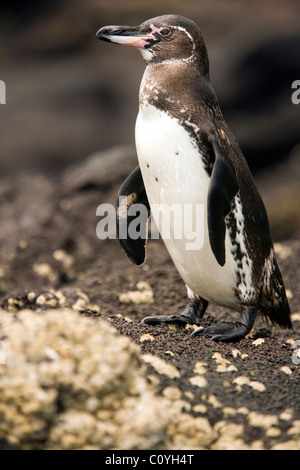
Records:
x=164, y=39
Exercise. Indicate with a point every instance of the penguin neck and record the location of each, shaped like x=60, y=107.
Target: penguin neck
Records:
x=171, y=86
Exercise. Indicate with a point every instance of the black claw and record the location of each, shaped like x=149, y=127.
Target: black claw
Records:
x=217, y=338
x=223, y=332
x=192, y=314
x=199, y=332
x=175, y=319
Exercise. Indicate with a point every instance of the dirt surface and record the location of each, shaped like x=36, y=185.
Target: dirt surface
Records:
x=273, y=388
x=49, y=245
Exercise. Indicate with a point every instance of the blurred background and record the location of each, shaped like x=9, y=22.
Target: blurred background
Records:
x=69, y=95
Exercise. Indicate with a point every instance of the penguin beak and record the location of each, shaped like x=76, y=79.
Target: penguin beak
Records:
x=126, y=35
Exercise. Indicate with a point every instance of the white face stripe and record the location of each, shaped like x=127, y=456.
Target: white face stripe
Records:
x=180, y=28
x=154, y=29
x=148, y=53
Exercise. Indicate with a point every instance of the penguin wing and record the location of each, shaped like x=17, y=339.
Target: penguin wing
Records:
x=222, y=189
x=132, y=198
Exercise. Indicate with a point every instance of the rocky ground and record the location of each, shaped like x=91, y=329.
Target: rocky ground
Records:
x=77, y=369
x=67, y=374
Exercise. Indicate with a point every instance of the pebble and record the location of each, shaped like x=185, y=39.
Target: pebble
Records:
x=262, y=421
x=137, y=297
x=229, y=411
x=236, y=353
x=182, y=405
x=161, y=366
x=188, y=326
x=273, y=432
x=190, y=395
x=200, y=408
x=295, y=316
x=212, y=399
x=198, y=381
x=200, y=368
x=243, y=380
x=173, y=393
x=143, y=285
x=288, y=445
x=66, y=263
x=286, y=414
x=146, y=337
x=223, y=364
x=258, y=386
x=31, y=296
x=23, y=244
x=258, y=341
x=286, y=370
x=65, y=204
x=144, y=295
x=295, y=429
x=45, y=270
x=170, y=353
x=282, y=251
x=43, y=299
x=289, y=293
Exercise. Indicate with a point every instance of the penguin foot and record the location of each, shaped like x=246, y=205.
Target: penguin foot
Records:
x=230, y=331
x=192, y=314
x=175, y=319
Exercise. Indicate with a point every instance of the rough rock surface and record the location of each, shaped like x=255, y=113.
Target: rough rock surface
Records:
x=69, y=382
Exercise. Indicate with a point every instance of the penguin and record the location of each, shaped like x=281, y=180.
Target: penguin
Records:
x=188, y=156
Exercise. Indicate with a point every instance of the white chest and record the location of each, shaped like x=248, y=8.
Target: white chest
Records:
x=173, y=173
x=170, y=162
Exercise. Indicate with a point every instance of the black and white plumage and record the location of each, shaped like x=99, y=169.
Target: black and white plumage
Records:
x=187, y=155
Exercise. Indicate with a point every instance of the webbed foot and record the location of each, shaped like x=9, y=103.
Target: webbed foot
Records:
x=192, y=314
x=230, y=331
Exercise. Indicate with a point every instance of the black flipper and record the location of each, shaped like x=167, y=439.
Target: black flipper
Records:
x=222, y=189
x=133, y=192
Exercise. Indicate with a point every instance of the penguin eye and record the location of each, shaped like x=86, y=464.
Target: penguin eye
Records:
x=165, y=32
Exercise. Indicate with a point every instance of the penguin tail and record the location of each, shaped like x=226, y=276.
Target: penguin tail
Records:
x=273, y=301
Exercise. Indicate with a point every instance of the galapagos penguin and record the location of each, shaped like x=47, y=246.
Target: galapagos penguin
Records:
x=188, y=156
